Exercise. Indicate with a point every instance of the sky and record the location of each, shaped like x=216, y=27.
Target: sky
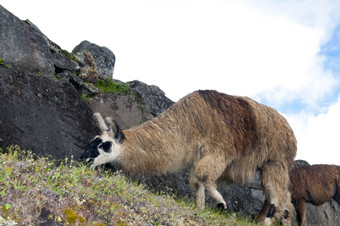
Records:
x=285, y=54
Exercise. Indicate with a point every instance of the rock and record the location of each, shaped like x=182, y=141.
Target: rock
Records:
x=123, y=108
x=129, y=111
x=300, y=163
x=103, y=57
x=83, y=88
x=43, y=114
x=152, y=98
x=325, y=214
x=24, y=46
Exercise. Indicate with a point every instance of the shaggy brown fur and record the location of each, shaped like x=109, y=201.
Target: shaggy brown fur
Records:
x=315, y=184
x=220, y=137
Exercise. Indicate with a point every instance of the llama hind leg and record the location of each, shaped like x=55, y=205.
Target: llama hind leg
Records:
x=275, y=182
x=207, y=171
x=211, y=188
x=221, y=203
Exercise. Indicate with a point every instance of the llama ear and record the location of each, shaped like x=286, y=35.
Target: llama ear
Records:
x=114, y=129
x=102, y=125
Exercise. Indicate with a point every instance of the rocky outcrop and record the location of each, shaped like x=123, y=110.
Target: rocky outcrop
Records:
x=43, y=114
x=103, y=57
x=145, y=103
x=83, y=88
x=40, y=108
x=26, y=48
x=151, y=97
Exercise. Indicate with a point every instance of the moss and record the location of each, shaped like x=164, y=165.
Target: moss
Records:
x=6, y=65
x=110, y=86
x=72, y=217
x=68, y=55
x=86, y=96
x=142, y=109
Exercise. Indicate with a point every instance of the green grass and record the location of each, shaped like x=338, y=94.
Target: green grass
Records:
x=35, y=189
x=110, y=86
x=6, y=65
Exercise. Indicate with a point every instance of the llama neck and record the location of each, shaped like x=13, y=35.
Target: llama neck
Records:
x=154, y=148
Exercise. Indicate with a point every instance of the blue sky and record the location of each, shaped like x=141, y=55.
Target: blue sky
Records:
x=331, y=49
x=285, y=54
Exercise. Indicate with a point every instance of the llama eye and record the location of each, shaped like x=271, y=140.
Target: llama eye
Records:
x=106, y=146
x=96, y=142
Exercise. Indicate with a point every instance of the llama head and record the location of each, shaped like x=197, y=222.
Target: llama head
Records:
x=104, y=148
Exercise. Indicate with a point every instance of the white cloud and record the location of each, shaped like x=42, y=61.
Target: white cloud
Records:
x=318, y=136
x=232, y=47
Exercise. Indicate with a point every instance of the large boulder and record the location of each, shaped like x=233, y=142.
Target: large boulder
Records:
x=103, y=57
x=25, y=47
x=40, y=108
x=43, y=114
x=152, y=98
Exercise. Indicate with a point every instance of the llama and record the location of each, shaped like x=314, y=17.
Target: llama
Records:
x=219, y=137
x=315, y=184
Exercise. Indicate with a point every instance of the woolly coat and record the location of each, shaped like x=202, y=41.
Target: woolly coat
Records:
x=241, y=132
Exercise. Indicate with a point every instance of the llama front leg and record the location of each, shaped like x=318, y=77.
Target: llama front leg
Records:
x=301, y=212
x=275, y=182
x=264, y=212
x=200, y=196
x=199, y=190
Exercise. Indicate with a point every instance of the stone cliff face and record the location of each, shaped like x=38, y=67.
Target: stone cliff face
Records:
x=41, y=109
x=43, y=114
x=24, y=46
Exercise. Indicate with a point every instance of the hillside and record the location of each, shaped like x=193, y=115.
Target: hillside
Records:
x=37, y=191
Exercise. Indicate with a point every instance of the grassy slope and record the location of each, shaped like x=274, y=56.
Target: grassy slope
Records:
x=36, y=190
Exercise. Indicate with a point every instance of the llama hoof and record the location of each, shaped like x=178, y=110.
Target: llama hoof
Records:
x=268, y=221
x=220, y=207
